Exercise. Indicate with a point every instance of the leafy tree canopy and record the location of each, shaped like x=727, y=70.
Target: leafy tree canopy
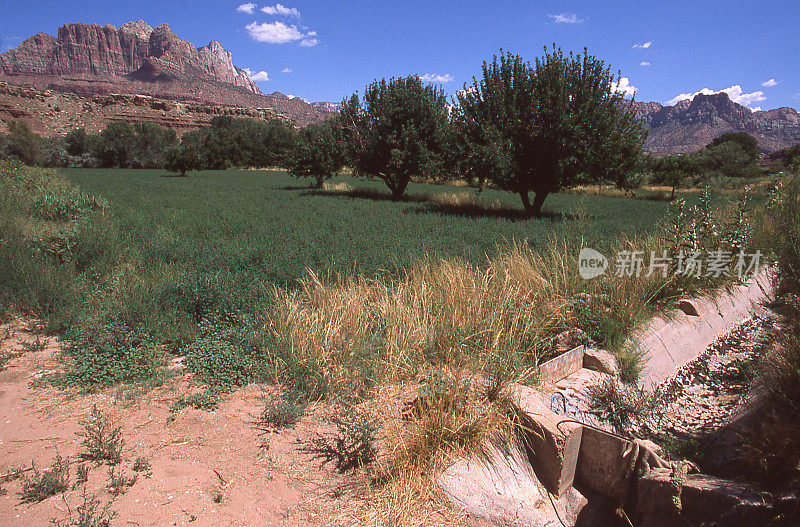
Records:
x=544, y=126
x=319, y=153
x=398, y=130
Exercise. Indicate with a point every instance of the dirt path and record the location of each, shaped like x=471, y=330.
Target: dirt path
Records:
x=207, y=468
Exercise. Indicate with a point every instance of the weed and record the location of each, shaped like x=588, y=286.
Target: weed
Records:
x=216, y=496
x=41, y=484
x=354, y=444
x=36, y=345
x=222, y=356
x=632, y=362
x=88, y=514
x=103, y=441
x=629, y=409
x=683, y=447
x=118, y=483
x=108, y=352
x=142, y=464
x=207, y=400
x=81, y=474
x=280, y=413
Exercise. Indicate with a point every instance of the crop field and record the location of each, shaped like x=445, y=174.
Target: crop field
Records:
x=268, y=226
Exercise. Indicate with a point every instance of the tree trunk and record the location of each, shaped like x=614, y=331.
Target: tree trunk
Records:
x=526, y=201
x=535, y=208
x=538, y=201
x=320, y=183
x=673, y=193
x=398, y=190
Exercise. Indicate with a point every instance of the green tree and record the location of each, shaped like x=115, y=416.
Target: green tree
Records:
x=23, y=143
x=151, y=145
x=542, y=127
x=116, y=145
x=397, y=131
x=78, y=142
x=748, y=145
x=673, y=170
x=188, y=155
x=319, y=153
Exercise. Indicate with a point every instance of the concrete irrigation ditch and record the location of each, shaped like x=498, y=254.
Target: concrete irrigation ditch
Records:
x=563, y=467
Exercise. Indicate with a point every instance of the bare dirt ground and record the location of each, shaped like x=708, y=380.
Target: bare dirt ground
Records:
x=207, y=467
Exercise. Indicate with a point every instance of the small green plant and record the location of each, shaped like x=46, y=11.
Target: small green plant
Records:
x=81, y=474
x=683, y=447
x=142, y=464
x=103, y=441
x=88, y=514
x=41, y=484
x=216, y=496
x=281, y=413
x=207, y=400
x=117, y=482
x=629, y=409
x=632, y=361
x=354, y=444
x=36, y=345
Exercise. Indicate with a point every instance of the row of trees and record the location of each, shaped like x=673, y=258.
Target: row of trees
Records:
x=525, y=128
x=528, y=128
x=226, y=143
x=731, y=155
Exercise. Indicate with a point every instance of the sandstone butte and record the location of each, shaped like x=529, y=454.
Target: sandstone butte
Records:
x=135, y=59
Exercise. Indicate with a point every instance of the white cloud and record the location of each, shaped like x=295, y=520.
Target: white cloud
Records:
x=436, y=78
x=261, y=76
x=279, y=33
x=644, y=63
x=643, y=45
x=309, y=42
x=280, y=9
x=734, y=92
x=770, y=83
x=566, y=18
x=246, y=8
x=286, y=70
x=624, y=86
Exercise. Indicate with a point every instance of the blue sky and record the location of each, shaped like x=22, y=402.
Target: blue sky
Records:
x=323, y=51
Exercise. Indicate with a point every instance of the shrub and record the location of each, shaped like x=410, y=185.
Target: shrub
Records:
x=354, y=444
x=142, y=464
x=87, y=514
x=107, y=352
x=118, y=483
x=223, y=355
x=280, y=413
x=102, y=440
x=207, y=400
x=628, y=408
x=41, y=484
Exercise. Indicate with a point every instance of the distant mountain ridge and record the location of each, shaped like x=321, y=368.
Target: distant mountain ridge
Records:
x=89, y=59
x=692, y=124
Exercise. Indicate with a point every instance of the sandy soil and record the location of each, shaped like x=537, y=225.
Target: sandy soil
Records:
x=207, y=468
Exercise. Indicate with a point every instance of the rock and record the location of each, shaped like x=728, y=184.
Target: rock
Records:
x=569, y=339
x=600, y=360
x=89, y=59
x=551, y=441
x=608, y=465
x=691, y=124
x=500, y=486
x=702, y=500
